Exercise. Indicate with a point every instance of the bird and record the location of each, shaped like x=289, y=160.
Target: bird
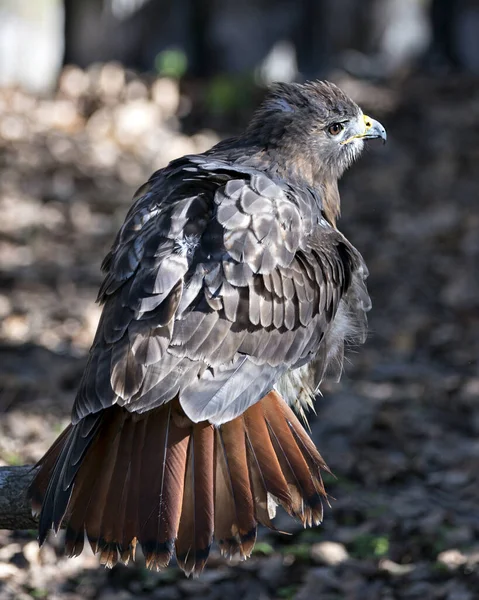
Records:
x=229, y=294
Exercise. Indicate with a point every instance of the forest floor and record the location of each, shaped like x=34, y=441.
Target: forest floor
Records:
x=400, y=432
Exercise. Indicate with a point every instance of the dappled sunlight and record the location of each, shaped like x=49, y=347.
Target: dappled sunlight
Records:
x=399, y=432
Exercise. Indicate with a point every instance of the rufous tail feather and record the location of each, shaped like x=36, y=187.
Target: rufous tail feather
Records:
x=174, y=486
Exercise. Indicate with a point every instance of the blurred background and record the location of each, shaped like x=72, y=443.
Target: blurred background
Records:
x=97, y=94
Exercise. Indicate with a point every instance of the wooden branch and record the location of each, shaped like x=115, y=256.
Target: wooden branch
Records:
x=15, y=510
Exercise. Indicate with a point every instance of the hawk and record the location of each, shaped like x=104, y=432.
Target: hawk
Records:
x=229, y=293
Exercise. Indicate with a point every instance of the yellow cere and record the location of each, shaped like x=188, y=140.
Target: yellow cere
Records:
x=367, y=123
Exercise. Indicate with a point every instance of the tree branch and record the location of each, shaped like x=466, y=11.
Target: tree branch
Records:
x=15, y=510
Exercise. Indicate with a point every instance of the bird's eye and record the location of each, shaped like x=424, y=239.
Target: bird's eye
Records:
x=335, y=128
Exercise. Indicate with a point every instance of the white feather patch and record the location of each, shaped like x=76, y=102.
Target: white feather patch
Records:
x=297, y=386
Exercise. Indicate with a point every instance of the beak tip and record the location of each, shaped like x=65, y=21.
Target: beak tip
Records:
x=377, y=130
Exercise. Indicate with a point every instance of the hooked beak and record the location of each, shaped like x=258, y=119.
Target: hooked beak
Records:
x=372, y=129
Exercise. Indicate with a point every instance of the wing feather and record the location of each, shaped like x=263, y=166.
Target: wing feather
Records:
x=220, y=280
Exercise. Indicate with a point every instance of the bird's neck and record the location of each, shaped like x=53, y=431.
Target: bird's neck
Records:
x=301, y=172
x=286, y=164
x=331, y=201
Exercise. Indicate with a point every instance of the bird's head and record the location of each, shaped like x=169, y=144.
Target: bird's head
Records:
x=315, y=126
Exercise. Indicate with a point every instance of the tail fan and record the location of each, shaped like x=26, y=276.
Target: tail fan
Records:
x=173, y=486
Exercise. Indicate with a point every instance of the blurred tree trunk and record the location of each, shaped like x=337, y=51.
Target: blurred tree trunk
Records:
x=371, y=38
x=455, y=28
x=132, y=32
x=31, y=43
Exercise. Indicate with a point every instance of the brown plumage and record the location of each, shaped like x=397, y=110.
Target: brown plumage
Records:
x=195, y=534
x=228, y=295
x=167, y=483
